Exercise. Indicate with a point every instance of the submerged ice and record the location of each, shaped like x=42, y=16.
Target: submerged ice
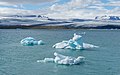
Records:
x=29, y=41
x=65, y=60
x=75, y=43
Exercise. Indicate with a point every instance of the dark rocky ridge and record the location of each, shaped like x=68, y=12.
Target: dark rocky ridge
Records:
x=59, y=27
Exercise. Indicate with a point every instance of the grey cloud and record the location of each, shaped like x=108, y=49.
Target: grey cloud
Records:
x=25, y=1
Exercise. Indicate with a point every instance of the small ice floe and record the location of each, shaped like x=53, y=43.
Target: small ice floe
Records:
x=29, y=41
x=46, y=60
x=88, y=46
x=83, y=33
x=75, y=43
x=64, y=60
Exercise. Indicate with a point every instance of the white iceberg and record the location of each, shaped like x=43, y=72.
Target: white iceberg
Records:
x=29, y=41
x=65, y=60
x=75, y=43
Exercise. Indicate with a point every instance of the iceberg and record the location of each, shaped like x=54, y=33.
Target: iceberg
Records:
x=75, y=43
x=29, y=41
x=64, y=60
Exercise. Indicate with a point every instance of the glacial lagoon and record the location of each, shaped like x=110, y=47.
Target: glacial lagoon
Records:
x=16, y=59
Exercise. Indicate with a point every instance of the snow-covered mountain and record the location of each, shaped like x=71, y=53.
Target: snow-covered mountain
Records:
x=107, y=17
x=27, y=17
x=39, y=21
x=27, y=20
x=23, y=19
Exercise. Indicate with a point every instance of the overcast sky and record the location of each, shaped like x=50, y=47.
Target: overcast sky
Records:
x=61, y=8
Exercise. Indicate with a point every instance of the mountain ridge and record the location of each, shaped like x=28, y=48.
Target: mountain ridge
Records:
x=40, y=21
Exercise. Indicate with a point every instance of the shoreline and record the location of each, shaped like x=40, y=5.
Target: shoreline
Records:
x=57, y=27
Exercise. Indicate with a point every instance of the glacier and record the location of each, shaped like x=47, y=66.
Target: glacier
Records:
x=40, y=22
x=64, y=60
x=30, y=41
x=75, y=43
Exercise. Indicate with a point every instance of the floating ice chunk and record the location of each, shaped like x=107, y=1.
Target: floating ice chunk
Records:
x=65, y=60
x=75, y=43
x=79, y=60
x=29, y=41
x=76, y=37
x=40, y=42
x=87, y=46
x=61, y=45
x=46, y=60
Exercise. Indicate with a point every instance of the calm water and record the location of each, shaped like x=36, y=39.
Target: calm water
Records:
x=16, y=59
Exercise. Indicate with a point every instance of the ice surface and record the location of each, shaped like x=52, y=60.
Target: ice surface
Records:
x=75, y=43
x=46, y=60
x=29, y=41
x=65, y=60
x=87, y=46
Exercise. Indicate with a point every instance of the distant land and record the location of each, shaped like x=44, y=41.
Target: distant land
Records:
x=43, y=22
